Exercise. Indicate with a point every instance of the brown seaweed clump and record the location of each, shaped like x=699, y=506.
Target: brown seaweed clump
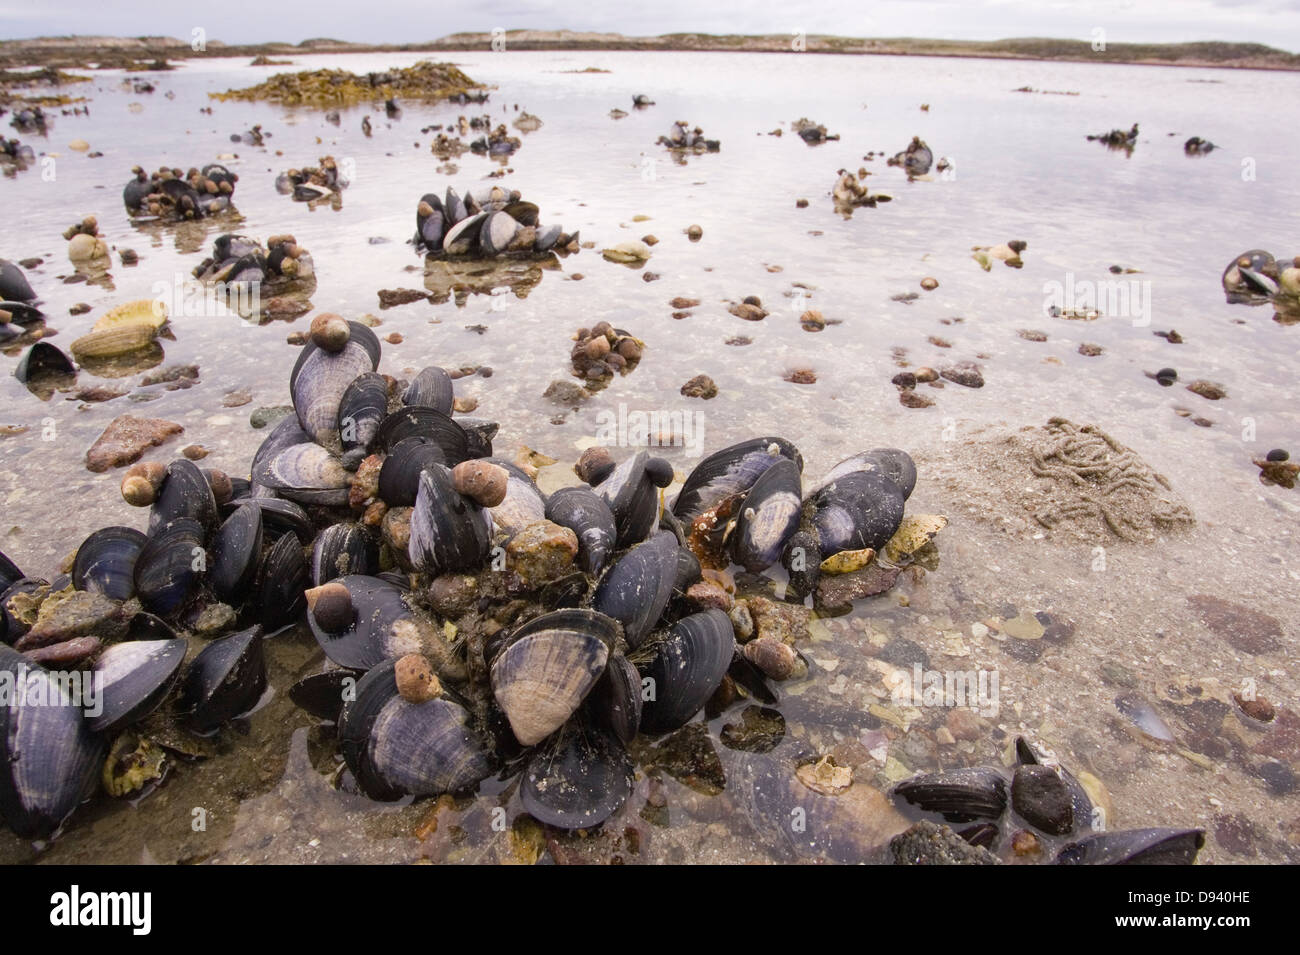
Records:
x=425, y=80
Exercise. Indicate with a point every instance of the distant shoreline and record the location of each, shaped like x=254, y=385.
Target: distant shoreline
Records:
x=138, y=52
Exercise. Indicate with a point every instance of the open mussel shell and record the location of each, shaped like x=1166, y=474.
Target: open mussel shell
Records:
x=431, y=388
x=959, y=795
x=578, y=781
x=632, y=492
x=585, y=512
x=285, y=579
x=551, y=664
x=523, y=503
x=105, y=562
x=615, y=701
x=687, y=666
x=463, y=237
x=170, y=566
x=308, y=474
x=769, y=515
x=20, y=313
x=395, y=748
x=225, y=680
x=859, y=509
x=43, y=360
x=449, y=532
x=184, y=493
x=399, y=477
x=546, y=238
x=236, y=551
x=323, y=694
x=342, y=550
x=636, y=589
x=1135, y=847
x=279, y=517
x=382, y=626
x=1080, y=802
x=320, y=378
x=428, y=423
x=893, y=463
x=49, y=759
x=13, y=283
x=730, y=471
x=137, y=675
x=363, y=406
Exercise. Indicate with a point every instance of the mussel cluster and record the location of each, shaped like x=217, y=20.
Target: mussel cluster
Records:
x=1257, y=278
x=996, y=813
x=281, y=274
x=17, y=302
x=15, y=156
x=169, y=194
x=850, y=192
x=683, y=137
x=497, y=223
x=916, y=159
x=1118, y=139
x=312, y=183
x=29, y=119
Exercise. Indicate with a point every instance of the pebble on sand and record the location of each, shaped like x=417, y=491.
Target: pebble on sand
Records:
x=126, y=438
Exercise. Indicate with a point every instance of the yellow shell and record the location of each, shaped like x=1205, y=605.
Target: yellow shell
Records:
x=113, y=341
x=847, y=561
x=915, y=532
x=141, y=311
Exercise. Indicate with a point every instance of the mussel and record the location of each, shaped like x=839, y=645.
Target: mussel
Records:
x=686, y=668
x=577, y=781
x=959, y=795
x=448, y=530
x=587, y=514
x=49, y=759
x=137, y=676
x=636, y=589
x=548, y=667
x=105, y=562
x=225, y=680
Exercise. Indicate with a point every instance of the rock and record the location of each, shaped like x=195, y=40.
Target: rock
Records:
x=760, y=730
x=928, y=843
x=237, y=398
x=1090, y=350
x=840, y=590
x=392, y=297
x=701, y=386
x=1207, y=389
x=776, y=659
x=1042, y=798
x=964, y=724
x=214, y=619
x=195, y=452
x=1245, y=629
x=824, y=776
x=70, y=614
x=801, y=203
x=705, y=595
x=171, y=373
x=650, y=276
x=679, y=302
x=694, y=233
x=126, y=438
x=1032, y=335
x=780, y=621
x=566, y=393
x=964, y=373
x=801, y=376
x=910, y=399
x=627, y=253
x=750, y=313
x=929, y=284
x=269, y=415
x=812, y=320
x=66, y=654
x=542, y=552
x=453, y=595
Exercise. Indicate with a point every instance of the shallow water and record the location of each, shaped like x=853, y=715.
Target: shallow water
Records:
x=1023, y=170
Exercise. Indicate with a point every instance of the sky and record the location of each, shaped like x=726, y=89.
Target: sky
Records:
x=1273, y=22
